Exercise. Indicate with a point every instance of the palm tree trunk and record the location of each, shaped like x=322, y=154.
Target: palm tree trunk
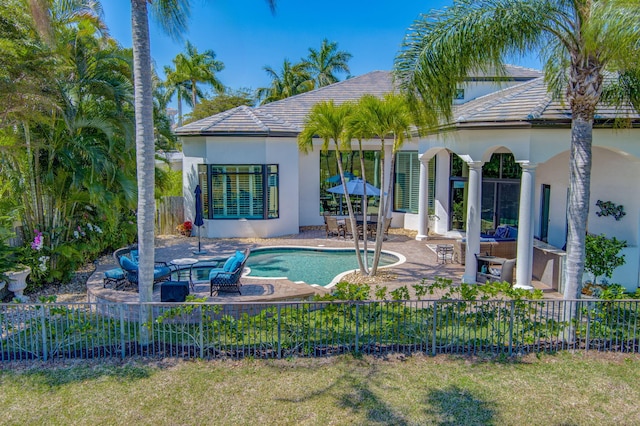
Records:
x=352, y=218
x=145, y=148
x=388, y=199
x=179, y=109
x=578, y=208
x=364, y=208
x=194, y=93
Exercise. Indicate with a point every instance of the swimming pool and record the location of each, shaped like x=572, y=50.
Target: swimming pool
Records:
x=316, y=266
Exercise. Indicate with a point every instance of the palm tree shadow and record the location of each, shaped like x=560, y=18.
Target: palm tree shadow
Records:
x=54, y=378
x=456, y=406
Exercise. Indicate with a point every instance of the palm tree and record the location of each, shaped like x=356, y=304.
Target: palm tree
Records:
x=324, y=63
x=380, y=118
x=172, y=16
x=579, y=41
x=177, y=84
x=329, y=122
x=196, y=67
x=293, y=79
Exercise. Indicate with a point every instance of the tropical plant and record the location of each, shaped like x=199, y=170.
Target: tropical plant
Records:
x=66, y=163
x=602, y=255
x=329, y=122
x=292, y=80
x=323, y=64
x=580, y=42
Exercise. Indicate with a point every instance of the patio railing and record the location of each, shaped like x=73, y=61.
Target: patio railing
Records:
x=51, y=331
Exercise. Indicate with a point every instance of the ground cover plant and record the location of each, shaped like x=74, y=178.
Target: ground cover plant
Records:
x=560, y=389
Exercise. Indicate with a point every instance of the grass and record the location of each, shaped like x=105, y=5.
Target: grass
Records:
x=551, y=389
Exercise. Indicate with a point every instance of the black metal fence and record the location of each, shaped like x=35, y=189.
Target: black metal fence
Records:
x=50, y=331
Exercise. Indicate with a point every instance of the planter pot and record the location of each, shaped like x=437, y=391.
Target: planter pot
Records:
x=18, y=282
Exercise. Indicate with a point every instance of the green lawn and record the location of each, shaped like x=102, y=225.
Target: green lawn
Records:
x=552, y=390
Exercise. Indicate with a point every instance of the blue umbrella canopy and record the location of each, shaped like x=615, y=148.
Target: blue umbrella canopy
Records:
x=198, y=221
x=336, y=178
x=356, y=187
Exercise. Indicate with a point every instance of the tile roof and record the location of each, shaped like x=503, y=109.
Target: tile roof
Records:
x=525, y=103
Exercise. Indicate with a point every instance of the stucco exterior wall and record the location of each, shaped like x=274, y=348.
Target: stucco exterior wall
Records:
x=614, y=177
x=246, y=150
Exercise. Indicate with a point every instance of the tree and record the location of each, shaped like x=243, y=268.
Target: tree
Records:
x=579, y=41
x=292, y=80
x=221, y=102
x=329, y=122
x=196, y=67
x=379, y=118
x=172, y=16
x=323, y=64
x=177, y=84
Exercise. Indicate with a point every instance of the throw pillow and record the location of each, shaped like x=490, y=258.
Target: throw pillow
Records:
x=230, y=264
x=128, y=264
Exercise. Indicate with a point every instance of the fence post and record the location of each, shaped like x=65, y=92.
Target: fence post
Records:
x=122, y=341
x=279, y=333
x=586, y=343
x=511, y=319
x=201, y=333
x=433, y=332
x=357, y=328
x=44, y=334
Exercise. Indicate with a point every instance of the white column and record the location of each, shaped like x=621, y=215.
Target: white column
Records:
x=474, y=204
x=524, y=264
x=441, y=197
x=423, y=199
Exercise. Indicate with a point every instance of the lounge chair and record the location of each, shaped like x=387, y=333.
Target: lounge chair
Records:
x=228, y=277
x=125, y=256
x=332, y=227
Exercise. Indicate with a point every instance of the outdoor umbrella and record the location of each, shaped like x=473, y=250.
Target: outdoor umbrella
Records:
x=356, y=187
x=336, y=178
x=198, y=220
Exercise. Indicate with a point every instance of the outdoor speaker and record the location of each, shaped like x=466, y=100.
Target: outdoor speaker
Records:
x=174, y=291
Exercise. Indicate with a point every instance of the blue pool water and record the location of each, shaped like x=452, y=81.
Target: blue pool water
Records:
x=311, y=265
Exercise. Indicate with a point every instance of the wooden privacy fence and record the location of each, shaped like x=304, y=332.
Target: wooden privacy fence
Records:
x=170, y=213
x=50, y=331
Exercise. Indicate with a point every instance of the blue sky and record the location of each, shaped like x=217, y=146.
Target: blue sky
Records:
x=246, y=36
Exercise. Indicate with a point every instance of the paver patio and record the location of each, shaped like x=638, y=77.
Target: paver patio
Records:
x=421, y=262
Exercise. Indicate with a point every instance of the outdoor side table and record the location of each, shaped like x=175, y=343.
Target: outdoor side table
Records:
x=444, y=252
x=184, y=269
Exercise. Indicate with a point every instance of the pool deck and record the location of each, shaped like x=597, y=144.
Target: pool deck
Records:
x=421, y=262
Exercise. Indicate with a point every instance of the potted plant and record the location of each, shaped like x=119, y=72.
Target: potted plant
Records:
x=11, y=270
x=185, y=228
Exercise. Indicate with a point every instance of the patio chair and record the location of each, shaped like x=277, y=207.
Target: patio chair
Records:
x=385, y=228
x=349, y=230
x=123, y=257
x=332, y=227
x=227, y=278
